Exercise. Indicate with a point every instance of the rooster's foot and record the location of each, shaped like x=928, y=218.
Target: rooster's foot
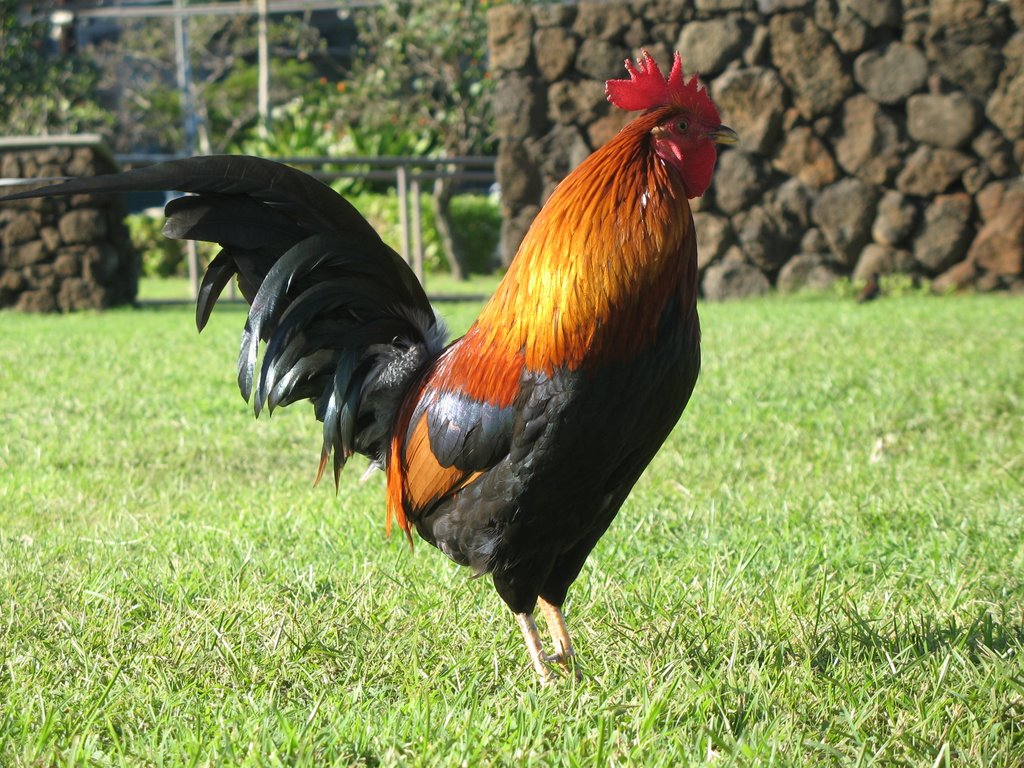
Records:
x=564, y=654
x=564, y=658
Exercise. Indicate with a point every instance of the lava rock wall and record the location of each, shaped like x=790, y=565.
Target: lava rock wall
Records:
x=878, y=136
x=67, y=253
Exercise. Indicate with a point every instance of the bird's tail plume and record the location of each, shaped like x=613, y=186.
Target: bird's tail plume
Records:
x=341, y=318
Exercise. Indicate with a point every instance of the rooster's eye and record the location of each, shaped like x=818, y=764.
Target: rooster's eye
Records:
x=682, y=125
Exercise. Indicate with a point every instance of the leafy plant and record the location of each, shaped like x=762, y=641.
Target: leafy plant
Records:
x=161, y=256
x=476, y=219
x=229, y=105
x=899, y=284
x=902, y=284
x=41, y=91
x=297, y=129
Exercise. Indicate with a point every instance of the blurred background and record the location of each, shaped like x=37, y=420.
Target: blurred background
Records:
x=882, y=140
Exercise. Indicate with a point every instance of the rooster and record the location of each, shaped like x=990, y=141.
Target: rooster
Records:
x=512, y=448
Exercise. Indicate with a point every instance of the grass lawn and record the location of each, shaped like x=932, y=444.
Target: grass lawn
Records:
x=823, y=566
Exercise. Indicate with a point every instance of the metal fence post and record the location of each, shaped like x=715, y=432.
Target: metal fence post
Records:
x=417, y=230
x=402, y=180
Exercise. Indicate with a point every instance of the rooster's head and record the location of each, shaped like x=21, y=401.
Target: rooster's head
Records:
x=688, y=129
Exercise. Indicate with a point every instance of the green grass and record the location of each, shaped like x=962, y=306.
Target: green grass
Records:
x=823, y=566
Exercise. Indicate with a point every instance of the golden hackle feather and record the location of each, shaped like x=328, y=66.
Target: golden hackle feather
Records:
x=598, y=265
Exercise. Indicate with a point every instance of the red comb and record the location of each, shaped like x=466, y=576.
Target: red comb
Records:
x=647, y=87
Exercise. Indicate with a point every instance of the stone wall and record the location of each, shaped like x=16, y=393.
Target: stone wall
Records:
x=68, y=253
x=878, y=136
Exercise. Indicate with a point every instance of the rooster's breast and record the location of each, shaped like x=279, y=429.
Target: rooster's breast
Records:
x=579, y=441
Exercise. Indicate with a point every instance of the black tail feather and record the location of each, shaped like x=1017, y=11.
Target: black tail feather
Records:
x=240, y=222
x=218, y=275
x=345, y=322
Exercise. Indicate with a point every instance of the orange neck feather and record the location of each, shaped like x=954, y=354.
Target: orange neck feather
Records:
x=604, y=258
x=599, y=265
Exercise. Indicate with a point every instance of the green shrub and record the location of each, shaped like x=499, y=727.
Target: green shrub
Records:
x=477, y=223
x=475, y=218
x=161, y=256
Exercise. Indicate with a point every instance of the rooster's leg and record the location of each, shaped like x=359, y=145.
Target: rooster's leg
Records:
x=564, y=653
x=529, y=629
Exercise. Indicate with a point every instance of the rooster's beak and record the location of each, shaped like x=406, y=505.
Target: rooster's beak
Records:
x=723, y=134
